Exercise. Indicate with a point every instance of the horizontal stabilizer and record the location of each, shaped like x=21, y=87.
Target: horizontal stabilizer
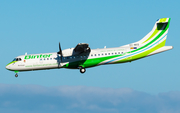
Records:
x=162, y=49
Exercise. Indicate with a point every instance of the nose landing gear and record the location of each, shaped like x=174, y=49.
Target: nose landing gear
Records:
x=16, y=75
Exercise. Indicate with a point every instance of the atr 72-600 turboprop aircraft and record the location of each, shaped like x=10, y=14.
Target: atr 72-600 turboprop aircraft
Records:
x=82, y=57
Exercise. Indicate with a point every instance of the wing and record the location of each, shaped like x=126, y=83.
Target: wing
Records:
x=82, y=48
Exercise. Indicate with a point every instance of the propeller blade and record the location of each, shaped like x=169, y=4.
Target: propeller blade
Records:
x=60, y=51
x=59, y=47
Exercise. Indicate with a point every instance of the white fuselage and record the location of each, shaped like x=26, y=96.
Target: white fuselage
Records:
x=53, y=60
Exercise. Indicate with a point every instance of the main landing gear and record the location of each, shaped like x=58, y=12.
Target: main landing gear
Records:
x=82, y=70
x=16, y=75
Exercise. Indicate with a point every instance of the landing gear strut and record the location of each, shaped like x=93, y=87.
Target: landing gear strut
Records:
x=82, y=70
x=16, y=75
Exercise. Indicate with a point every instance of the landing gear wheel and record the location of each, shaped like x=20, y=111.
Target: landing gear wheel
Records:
x=16, y=75
x=82, y=70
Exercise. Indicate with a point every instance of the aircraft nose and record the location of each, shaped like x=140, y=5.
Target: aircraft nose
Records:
x=7, y=67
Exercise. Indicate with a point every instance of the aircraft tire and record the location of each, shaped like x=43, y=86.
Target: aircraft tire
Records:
x=16, y=75
x=82, y=70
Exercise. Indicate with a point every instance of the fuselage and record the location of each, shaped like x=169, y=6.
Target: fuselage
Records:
x=69, y=60
x=82, y=56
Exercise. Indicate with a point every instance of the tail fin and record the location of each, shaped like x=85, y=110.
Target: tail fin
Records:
x=159, y=30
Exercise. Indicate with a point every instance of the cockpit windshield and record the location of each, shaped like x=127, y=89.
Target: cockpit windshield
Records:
x=17, y=59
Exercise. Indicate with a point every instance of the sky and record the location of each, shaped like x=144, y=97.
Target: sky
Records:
x=147, y=85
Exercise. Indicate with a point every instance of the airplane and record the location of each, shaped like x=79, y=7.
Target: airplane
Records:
x=82, y=56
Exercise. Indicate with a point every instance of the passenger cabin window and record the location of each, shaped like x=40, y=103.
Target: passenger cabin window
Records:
x=108, y=53
x=119, y=53
x=105, y=53
x=98, y=54
x=91, y=54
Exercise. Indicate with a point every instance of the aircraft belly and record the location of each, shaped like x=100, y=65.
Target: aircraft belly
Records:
x=74, y=65
x=84, y=63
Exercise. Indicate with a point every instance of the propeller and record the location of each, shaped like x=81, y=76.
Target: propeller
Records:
x=60, y=51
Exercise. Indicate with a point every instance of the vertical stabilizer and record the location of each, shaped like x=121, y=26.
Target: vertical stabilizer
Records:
x=160, y=29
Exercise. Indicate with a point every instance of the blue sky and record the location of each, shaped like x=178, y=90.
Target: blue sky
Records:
x=38, y=27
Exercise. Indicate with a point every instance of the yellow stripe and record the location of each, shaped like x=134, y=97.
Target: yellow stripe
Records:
x=163, y=20
x=154, y=33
